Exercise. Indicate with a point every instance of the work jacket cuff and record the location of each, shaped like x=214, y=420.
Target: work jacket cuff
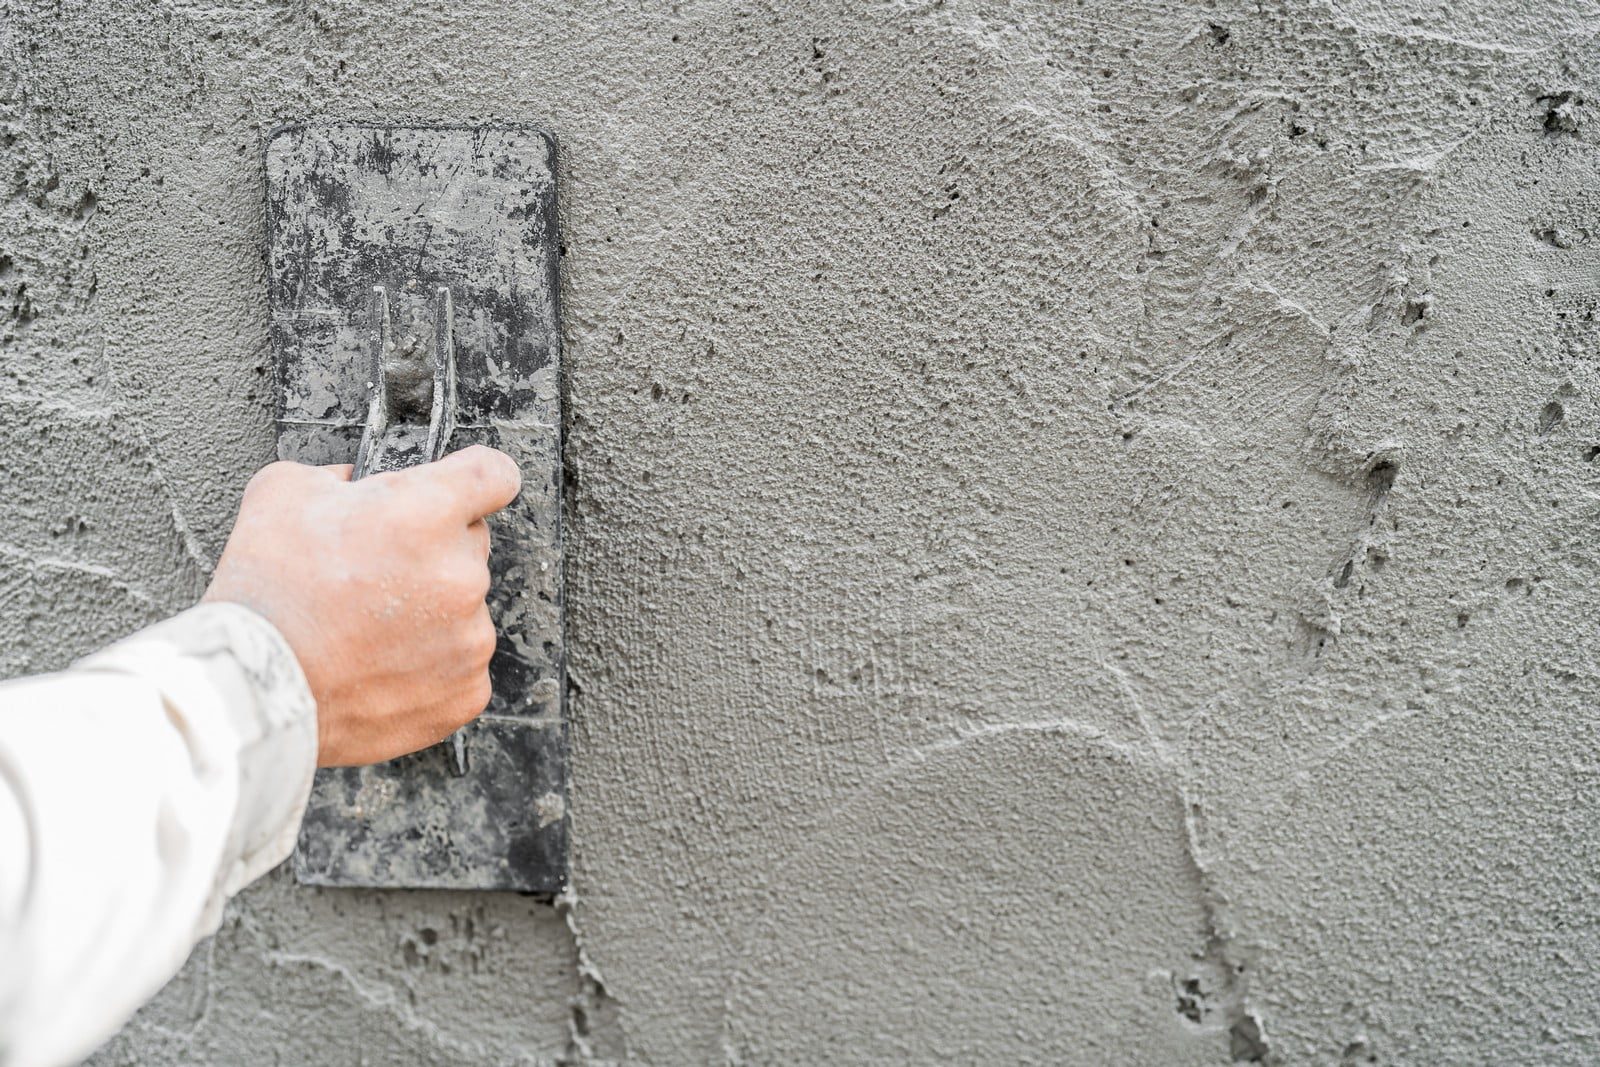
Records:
x=224, y=661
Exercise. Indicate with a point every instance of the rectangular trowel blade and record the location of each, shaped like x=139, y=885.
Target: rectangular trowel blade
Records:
x=409, y=211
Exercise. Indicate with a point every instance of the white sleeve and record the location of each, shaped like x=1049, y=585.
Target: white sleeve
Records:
x=138, y=791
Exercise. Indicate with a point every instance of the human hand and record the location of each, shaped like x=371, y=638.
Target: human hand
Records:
x=378, y=586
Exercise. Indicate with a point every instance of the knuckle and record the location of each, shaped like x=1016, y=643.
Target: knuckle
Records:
x=271, y=476
x=466, y=586
x=424, y=501
x=478, y=582
x=475, y=697
x=483, y=640
x=415, y=510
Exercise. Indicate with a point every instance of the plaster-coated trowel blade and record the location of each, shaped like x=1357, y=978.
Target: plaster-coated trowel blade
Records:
x=454, y=230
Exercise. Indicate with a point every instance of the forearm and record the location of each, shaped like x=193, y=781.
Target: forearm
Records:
x=138, y=790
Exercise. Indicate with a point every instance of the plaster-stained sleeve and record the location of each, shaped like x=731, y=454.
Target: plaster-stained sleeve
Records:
x=139, y=790
x=264, y=696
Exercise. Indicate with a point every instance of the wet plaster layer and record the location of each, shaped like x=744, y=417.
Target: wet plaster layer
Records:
x=1082, y=516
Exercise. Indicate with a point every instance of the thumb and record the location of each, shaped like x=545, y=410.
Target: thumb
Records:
x=474, y=482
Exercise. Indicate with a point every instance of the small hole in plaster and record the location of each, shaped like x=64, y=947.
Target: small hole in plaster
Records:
x=1190, y=1001
x=1381, y=477
x=1246, y=1043
x=1550, y=417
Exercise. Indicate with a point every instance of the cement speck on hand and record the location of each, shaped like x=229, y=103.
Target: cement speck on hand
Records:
x=1072, y=557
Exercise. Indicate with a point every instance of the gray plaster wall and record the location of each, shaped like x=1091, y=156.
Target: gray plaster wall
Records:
x=1083, y=515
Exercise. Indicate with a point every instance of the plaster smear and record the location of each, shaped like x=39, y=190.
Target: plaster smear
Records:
x=1082, y=517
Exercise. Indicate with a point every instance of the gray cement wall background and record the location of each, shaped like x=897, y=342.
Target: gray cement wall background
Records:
x=1083, y=516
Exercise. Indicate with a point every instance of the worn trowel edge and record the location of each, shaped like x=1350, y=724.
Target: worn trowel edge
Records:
x=557, y=159
x=296, y=125
x=554, y=285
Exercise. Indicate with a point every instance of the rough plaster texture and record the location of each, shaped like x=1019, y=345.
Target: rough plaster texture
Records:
x=1082, y=515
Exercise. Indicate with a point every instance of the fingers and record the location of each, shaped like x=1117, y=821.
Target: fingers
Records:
x=474, y=482
x=482, y=638
x=475, y=691
x=295, y=479
x=478, y=532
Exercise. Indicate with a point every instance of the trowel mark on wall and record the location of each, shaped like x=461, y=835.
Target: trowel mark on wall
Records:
x=48, y=283
x=1213, y=995
x=1371, y=541
x=1550, y=417
x=594, y=1023
x=49, y=318
x=882, y=953
x=34, y=590
x=1566, y=262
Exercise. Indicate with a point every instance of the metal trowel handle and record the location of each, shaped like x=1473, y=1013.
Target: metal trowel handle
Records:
x=413, y=409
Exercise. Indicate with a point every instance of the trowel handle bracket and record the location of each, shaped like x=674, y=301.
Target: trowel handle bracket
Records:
x=413, y=375
x=413, y=408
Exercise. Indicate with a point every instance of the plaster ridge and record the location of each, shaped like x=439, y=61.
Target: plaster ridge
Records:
x=1433, y=36
x=61, y=405
x=1150, y=758
x=591, y=999
x=1219, y=982
x=1370, y=725
x=29, y=560
x=387, y=1000
x=1160, y=749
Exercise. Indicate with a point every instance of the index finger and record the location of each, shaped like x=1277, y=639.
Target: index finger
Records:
x=476, y=481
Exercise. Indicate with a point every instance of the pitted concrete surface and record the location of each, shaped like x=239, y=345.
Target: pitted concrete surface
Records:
x=1082, y=515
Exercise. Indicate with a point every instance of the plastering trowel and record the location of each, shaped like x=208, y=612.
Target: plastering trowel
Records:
x=411, y=273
